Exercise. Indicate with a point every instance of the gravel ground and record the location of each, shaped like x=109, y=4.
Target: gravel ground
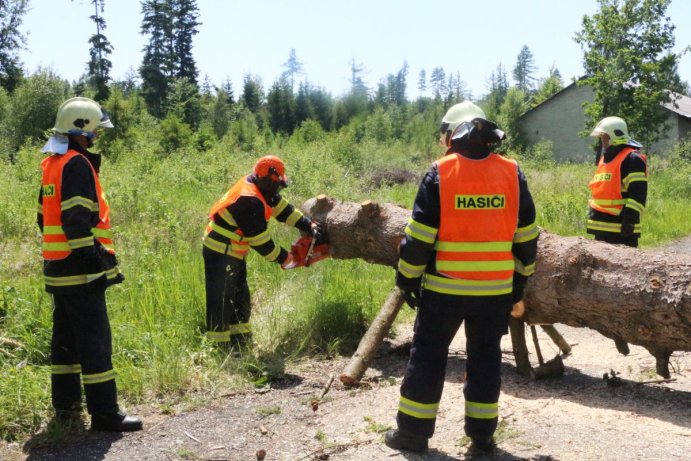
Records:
x=578, y=417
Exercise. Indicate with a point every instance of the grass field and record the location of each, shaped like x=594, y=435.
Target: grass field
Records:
x=159, y=204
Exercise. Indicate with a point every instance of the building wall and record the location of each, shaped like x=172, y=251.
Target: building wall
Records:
x=559, y=120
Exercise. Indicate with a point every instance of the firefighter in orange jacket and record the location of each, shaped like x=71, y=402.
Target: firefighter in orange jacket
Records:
x=469, y=249
x=79, y=264
x=619, y=186
x=238, y=222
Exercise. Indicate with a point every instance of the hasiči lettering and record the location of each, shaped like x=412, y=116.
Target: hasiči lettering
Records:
x=480, y=202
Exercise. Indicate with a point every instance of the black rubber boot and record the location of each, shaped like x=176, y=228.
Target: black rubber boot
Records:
x=400, y=441
x=480, y=447
x=116, y=422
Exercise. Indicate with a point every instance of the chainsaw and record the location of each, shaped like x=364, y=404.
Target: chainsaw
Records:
x=307, y=251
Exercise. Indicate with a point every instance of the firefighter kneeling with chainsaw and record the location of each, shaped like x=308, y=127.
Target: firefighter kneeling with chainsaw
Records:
x=238, y=222
x=473, y=236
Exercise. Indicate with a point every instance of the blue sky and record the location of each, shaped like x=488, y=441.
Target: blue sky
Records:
x=238, y=37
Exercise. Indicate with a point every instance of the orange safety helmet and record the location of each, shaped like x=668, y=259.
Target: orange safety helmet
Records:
x=271, y=167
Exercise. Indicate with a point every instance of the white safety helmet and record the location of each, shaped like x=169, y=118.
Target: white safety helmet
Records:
x=81, y=116
x=617, y=131
x=461, y=119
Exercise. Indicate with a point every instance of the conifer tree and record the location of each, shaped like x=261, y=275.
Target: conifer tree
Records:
x=185, y=15
x=11, y=42
x=524, y=70
x=293, y=68
x=99, y=64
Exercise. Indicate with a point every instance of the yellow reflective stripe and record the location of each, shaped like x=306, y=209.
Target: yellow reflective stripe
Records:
x=634, y=205
x=421, y=232
x=81, y=242
x=222, y=248
x=239, y=329
x=225, y=232
x=39, y=209
x=468, y=287
x=102, y=233
x=409, y=270
x=218, y=336
x=472, y=247
x=53, y=230
x=523, y=270
x=56, y=246
x=603, y=202
x=609, y=227
x=66, y=369
x=278, y=209
x=525, y=234
x=604, y=209
x=79, y=201
x=97, y=378
x=475, y=266
x=273, y=255
x=227, y=217
x=634, y=177
x=72, y=279
x=418, y=410
x=258, y=239
x=294, y=217
x=481, y=410
x=112, y=273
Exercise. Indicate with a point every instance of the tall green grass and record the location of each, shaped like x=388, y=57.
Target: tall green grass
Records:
x=160, y=202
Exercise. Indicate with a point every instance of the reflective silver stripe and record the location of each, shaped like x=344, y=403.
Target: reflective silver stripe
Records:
x=278, y=209
x=524, y=270
x=410, y=271
x=634, y=205
x=79, y=201
x=239, y=329
x=66, y=369
x=418, y=410
x=81, y=242
x=525, y=234
x=468, y=287
x=294, y=217
x=99, y=377
x=481, y=410
x=218, y=336
x=421, y=232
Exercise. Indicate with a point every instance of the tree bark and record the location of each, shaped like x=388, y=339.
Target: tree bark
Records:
x=639, y=296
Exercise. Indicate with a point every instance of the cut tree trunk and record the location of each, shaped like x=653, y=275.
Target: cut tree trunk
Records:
x=638, y=296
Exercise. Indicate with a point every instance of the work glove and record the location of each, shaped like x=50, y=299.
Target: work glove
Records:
x=412, y=298
x=91, y=258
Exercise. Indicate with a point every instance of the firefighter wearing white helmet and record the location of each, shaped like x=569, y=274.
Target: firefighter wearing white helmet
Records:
x=469, y=248
x=79, y=264
x=619, y=187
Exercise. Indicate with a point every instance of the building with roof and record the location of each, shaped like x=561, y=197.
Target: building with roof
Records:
x=560, y=118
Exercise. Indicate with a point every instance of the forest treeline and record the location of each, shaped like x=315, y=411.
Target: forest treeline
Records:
x=627, y=59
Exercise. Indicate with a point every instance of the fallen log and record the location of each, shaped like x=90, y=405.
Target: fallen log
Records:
x=641, y=297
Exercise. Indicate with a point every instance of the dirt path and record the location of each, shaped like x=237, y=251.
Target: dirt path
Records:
x=578, y=417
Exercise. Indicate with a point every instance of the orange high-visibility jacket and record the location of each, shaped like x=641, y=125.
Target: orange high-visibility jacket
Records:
x=232, y=243
x=479, y=215
x=605, y=186
x=55, y=242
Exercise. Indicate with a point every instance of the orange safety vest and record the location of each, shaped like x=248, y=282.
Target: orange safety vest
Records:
x=233, y=243
x=479, y=217
x=605, y=186
x=55, y=243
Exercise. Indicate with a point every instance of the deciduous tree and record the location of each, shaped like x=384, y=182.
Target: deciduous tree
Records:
x=11, y=42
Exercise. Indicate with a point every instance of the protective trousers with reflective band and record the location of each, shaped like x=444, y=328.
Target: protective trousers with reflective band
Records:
x=486, y=320
x=227, y=298
x=479, y=216
x=81, y=347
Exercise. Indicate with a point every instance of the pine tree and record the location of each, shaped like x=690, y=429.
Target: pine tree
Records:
x=99, y=64
x=11, y=42
x=524, y=70
x=437, y=81
x=422, y=81
x=252, y=93
x=293, y=68
x=280, y=104
x=185, y=15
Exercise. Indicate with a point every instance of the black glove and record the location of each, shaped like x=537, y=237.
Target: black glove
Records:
x=90, y=257
x=412, y=298
x=317, y=231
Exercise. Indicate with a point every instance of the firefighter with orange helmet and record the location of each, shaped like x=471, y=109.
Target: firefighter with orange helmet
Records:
x=238, y=222
x=469, y=248
x=79, y=264
x=619, y=187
